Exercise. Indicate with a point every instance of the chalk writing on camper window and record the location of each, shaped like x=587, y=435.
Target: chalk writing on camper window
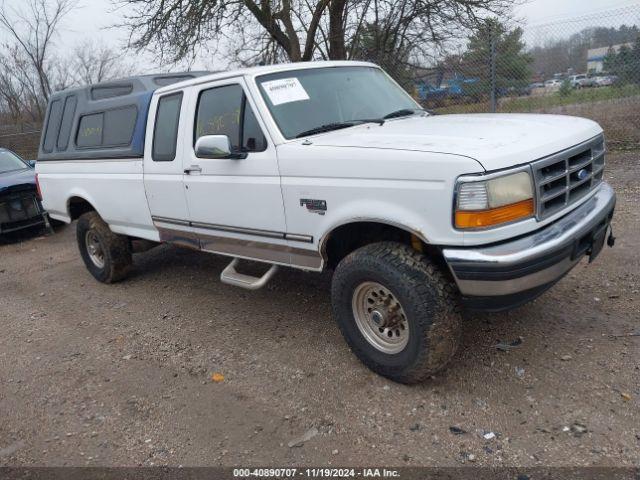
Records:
x=89, y=132
x=222, y=124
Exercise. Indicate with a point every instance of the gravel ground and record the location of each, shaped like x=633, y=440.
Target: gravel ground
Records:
x=94, y=374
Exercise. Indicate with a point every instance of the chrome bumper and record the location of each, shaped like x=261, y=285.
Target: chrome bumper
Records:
x=523, y=268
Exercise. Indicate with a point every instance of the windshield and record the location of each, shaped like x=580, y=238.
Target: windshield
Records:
x=303, y=100
x=10, y=161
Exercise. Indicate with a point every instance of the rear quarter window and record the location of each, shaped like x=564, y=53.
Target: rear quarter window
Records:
x=165, y=130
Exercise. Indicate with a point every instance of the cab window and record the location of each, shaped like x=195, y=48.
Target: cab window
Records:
x=226, y=111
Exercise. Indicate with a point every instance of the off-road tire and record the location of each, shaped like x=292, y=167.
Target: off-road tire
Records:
x=429, y=299
x=116, y=249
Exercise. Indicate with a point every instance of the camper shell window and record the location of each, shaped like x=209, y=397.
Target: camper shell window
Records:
x=110, y=91
x=163, y=81
x=67, y=120
x=90, y=130
x=111, y=128
x=106, y=120
x=53, y=125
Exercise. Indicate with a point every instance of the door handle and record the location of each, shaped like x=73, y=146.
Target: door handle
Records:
x=193, y=169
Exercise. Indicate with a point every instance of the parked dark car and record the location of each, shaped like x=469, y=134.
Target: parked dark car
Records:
x=20, y=206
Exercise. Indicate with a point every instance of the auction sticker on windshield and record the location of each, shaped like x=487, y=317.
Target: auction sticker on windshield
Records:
x=285, y=90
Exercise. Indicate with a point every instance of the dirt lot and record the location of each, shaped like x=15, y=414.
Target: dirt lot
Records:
x=94, y=374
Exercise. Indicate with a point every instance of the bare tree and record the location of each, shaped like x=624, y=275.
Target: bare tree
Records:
x=16, y=86
x=95, y=62
x=27, y=57
x=30, y=68
x=298, y=30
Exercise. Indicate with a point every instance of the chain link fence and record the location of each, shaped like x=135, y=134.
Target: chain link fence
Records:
x=588, y=66
x=24, y=143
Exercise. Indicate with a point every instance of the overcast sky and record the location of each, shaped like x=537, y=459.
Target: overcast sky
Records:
x=95, y=19
x=543, y=11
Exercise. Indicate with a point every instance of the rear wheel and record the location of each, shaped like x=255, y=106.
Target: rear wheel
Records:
x=397, y=311
x=106, y=255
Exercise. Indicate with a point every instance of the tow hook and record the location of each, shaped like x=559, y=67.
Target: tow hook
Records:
x=611, y=240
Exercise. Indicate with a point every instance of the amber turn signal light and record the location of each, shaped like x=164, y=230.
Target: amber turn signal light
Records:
x=494, y=216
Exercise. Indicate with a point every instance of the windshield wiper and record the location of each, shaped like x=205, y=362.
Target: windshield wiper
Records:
x=403, y=112
x=327, y=128
x=338, y=125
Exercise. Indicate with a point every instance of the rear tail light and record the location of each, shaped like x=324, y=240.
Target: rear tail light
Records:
x=38, y=190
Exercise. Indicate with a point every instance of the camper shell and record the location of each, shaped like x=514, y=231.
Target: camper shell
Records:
x=103, y=120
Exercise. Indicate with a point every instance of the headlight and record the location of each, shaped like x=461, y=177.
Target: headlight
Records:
x=486, y=203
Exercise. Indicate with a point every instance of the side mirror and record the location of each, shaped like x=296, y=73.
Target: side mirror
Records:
x=216, y=146
x=32, y=163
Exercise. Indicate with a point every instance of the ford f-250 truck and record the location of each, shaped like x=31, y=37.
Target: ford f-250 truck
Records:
x=331, y=165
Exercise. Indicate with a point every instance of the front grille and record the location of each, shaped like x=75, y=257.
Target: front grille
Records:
x=17, y=208
x=565, y=177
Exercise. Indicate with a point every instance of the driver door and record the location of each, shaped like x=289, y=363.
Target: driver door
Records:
x=235, y=204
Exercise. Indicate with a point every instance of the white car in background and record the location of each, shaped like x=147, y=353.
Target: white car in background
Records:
x=581, y=81
x=605, y=80
x=553, y=84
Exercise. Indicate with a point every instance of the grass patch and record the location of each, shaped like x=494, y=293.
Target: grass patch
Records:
x=537, y=103
x=583, y=95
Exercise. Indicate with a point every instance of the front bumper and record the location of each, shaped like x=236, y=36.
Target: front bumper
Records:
x=508, y=274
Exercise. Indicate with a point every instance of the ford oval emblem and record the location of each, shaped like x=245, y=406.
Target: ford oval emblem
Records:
x=582, y=174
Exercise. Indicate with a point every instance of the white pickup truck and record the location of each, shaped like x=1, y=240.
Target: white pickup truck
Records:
x=331, y=165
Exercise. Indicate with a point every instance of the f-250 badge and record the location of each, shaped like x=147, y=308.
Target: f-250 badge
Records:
x=314, y=206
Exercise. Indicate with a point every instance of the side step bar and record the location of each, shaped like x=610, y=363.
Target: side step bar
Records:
x=231, y=277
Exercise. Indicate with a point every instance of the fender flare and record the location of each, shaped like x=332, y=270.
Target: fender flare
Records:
x=322, y=243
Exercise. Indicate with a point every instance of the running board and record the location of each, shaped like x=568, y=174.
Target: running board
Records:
x=231, y=277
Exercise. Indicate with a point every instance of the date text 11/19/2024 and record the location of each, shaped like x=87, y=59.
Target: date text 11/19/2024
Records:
x=315, y=473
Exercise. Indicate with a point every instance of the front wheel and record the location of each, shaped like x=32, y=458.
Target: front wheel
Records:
x=397, y=311
x=106, y=255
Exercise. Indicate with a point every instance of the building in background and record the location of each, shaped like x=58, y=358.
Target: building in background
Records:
x=596, y=56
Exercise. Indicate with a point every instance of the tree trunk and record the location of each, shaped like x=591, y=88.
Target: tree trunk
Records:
x=337, y=45
x=294, y=42
x=310, y=43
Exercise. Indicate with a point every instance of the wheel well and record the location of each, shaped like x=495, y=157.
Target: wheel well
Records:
x=347, y=238
x=78, y=206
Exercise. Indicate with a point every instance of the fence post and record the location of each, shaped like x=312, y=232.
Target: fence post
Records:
x=492, y=66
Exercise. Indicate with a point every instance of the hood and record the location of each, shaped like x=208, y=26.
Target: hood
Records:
x=495, y=140
x=17, y=180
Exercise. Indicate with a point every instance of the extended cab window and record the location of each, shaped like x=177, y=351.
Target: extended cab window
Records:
x=165, y=130
x=225, y=111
